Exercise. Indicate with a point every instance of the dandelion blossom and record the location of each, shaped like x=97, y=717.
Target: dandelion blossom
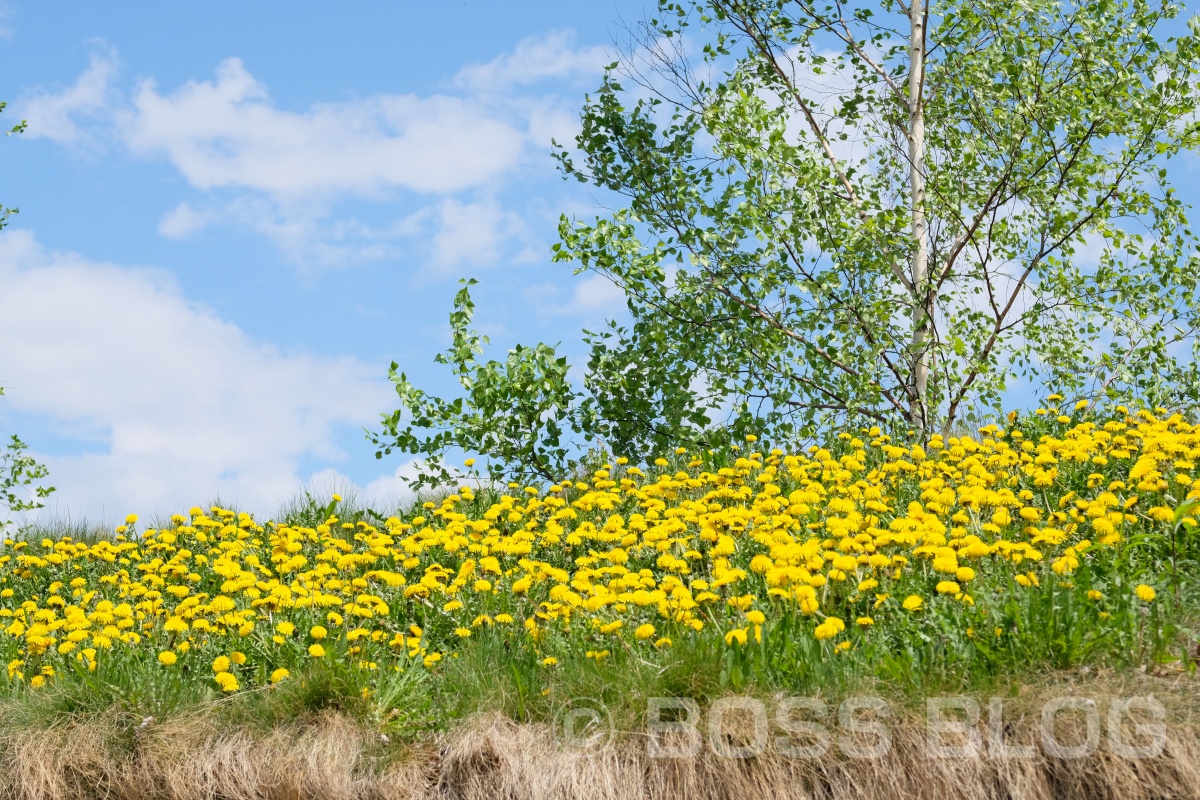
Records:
x=830, y=628
x=226, y=681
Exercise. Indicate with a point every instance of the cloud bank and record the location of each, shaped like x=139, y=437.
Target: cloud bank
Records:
x=177, y=405
x=288, y=174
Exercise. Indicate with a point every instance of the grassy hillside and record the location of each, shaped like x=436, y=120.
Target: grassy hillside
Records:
x=1061, y=545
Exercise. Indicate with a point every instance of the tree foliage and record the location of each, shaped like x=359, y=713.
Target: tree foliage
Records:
x=867, y=211
x=510, y=409
x=20, y=476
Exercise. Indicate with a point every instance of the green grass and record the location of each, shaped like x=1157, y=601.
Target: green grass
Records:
x=1021, y=636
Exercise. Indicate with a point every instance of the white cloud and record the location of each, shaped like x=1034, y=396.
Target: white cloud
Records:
x=226, y=133
x=303, y=232
x=54, y=115
x=472, y=233
x=535, y=58
x=591, y=297
x=184, y=404
x=597, y=293
x=183, y=220
x=392, y=491
x=283, y=172
x=549, y=122
x=446, y=236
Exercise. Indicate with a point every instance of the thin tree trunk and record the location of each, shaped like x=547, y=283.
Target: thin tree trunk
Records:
x=923, y=293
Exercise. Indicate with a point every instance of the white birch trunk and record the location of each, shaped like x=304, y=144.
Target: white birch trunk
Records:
x=923, y=299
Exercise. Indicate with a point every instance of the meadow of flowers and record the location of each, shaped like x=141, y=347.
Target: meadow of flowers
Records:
x=1063, y=538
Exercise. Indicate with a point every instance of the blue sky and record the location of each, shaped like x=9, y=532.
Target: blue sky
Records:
x=235, y=216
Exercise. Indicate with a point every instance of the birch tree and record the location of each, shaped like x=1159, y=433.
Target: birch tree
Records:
x=884, y=213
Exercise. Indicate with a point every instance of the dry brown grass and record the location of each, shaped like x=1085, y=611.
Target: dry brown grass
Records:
x=333, y=758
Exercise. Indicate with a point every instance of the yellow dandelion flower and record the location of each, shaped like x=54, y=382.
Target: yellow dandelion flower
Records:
x=227, y=681
x=831, y=627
